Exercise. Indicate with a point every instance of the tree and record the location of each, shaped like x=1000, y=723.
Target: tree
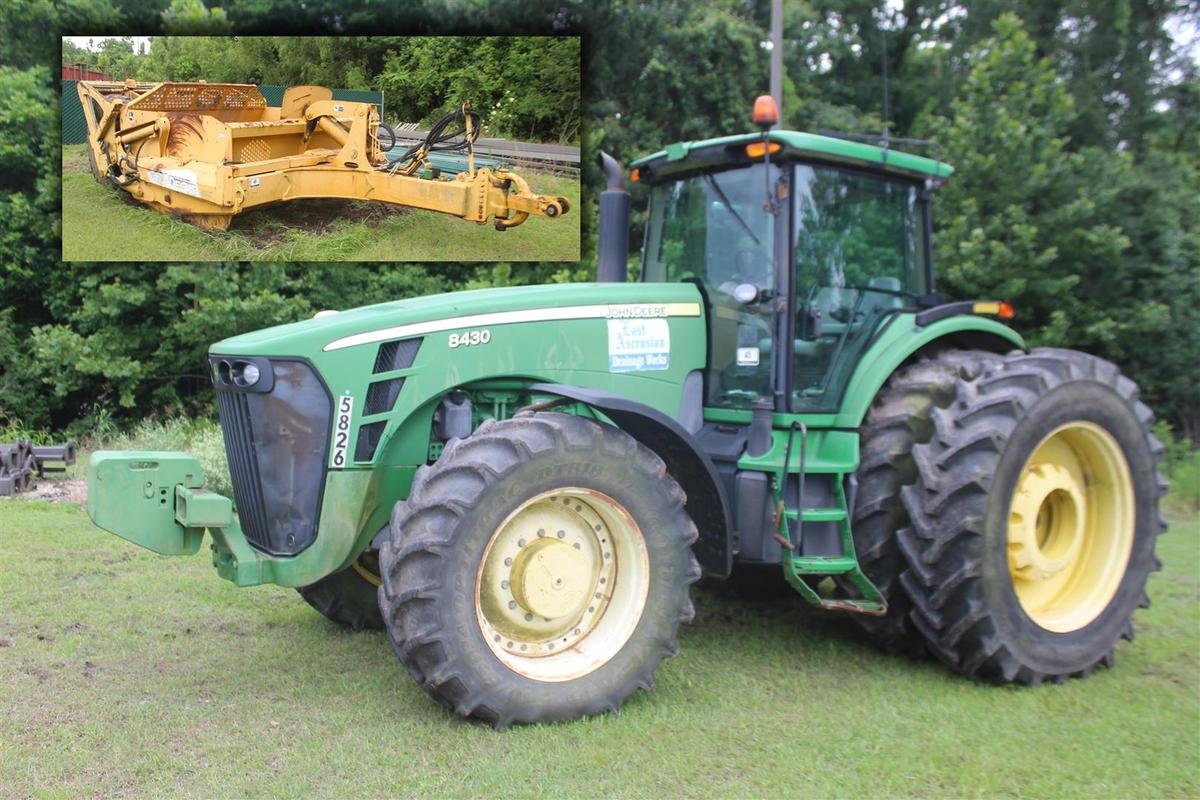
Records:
x=192, y=16
x=1067, y=236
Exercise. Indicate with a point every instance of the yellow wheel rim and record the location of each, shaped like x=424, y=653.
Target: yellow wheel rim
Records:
x=562, y=584
x=1070, y=527
x=367, y=567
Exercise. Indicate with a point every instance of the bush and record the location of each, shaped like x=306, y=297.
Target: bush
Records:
x=196, y=437
x=1181, y=465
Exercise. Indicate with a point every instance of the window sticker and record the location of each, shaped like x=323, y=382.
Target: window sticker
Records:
x=638, y=345
x=747, y=356
x=177, y=180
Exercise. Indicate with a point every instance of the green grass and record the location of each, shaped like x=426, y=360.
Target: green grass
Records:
x=125, y=673
x=103, y=223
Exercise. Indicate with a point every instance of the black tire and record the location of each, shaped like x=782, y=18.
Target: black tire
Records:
x=440, y=534
x=900, y=418
x=347, y=597
x=957, y=575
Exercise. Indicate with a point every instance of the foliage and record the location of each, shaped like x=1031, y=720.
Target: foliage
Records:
x=1067, y=235
x=1074, y=126
x=198, y=437
x=1181, y=465
x=528, y=88
x=192, y=16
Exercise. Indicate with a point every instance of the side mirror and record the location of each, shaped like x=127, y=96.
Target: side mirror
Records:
x=745, y=293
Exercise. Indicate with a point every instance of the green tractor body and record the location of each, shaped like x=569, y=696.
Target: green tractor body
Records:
x=786, y=303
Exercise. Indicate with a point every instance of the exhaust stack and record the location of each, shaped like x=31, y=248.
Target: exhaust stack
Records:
x=613, y=256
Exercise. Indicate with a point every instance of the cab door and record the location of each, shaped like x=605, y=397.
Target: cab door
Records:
x=859, y=244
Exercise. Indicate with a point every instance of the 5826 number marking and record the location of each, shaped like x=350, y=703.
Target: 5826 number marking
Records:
x=341, y=430
x=470, y=338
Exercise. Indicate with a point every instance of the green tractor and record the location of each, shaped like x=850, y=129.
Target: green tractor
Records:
x=520, y=485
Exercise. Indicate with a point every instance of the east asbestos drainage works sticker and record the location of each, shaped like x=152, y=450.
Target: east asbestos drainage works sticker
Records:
x=638, y=345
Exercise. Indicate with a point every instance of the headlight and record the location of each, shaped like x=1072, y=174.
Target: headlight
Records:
x=245, y=374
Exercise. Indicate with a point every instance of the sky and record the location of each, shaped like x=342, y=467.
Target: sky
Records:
x=83, y=41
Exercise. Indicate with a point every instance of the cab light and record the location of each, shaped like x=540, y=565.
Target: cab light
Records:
x=635, y=175
x=756, y=149
x=1001, y=309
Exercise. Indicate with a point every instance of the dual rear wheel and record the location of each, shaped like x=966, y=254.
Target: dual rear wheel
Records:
x=1008, y=510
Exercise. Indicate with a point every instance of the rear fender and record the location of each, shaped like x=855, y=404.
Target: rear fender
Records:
x=903, y=341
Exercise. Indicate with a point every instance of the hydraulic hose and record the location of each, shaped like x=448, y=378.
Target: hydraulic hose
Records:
x=445, y=136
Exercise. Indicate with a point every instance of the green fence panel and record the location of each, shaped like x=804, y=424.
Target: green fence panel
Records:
x=272, y=94
x=74, y=126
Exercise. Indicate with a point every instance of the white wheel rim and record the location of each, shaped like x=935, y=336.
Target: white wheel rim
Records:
x=562, y=584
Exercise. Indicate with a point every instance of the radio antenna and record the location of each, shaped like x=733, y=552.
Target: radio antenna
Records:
x=883, y=40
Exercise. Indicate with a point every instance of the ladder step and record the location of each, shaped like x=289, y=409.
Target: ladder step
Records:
x=823, y=515
x=823, y=565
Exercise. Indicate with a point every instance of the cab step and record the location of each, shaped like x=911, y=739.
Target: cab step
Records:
x=823, y=565
x=800, y=569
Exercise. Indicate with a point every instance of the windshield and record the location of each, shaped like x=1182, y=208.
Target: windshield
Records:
x=858, y=245
x=712, y=229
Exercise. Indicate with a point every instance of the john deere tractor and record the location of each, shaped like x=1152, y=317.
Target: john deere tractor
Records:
x=520, y=485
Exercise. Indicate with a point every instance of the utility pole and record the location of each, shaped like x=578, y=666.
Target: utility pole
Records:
x=777, y=56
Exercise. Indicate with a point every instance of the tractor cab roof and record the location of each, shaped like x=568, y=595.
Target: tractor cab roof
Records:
x=684, y=157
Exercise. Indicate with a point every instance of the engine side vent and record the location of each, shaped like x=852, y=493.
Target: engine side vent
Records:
x=381, y=396
x=368, y=440
x=396, y=354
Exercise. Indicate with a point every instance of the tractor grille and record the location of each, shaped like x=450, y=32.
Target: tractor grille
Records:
x=276, y=439
x=234, y=410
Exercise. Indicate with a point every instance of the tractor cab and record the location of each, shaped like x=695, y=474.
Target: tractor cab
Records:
x=803, y=247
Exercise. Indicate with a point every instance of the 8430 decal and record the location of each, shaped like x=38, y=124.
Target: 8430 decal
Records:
x=469, y=338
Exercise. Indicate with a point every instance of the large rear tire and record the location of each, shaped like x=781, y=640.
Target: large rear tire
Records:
x=538, y=571
x=899, y=419
x=1034, y=515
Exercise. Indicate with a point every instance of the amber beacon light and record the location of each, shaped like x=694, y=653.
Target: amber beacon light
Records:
x=766, y=113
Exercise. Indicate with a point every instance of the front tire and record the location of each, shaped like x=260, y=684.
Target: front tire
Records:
x=349, y=597
x=538, y=571
x=1034, y=516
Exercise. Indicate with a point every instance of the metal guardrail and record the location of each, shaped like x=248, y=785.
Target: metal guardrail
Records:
x=524, y=154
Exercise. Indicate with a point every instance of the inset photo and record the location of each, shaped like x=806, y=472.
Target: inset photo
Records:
x=251, y=148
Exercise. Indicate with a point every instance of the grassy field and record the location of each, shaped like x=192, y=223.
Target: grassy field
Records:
x=124, y=673
x=102, y=223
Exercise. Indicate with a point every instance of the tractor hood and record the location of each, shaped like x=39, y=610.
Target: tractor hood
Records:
x=332, y=332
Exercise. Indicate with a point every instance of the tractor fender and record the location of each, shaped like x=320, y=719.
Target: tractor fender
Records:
x=903, y=341
x=686, y=462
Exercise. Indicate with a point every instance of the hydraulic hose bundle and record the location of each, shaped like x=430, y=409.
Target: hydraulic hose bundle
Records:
x=455, y=132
